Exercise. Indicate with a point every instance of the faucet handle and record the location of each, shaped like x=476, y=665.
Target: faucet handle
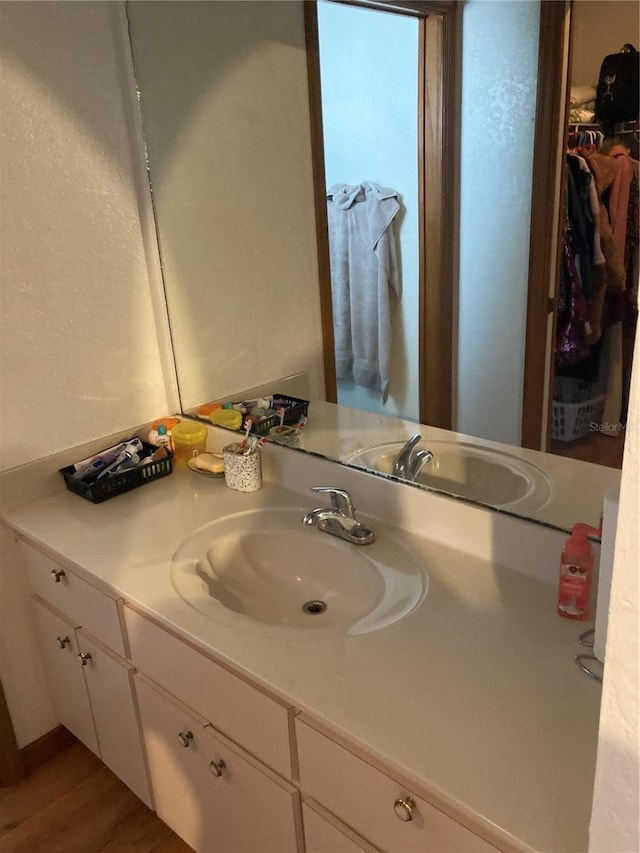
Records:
x=411, y=442
x=340, y=499
x=402, y=462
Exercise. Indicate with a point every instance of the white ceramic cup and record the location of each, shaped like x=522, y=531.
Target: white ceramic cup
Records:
x=242, y=472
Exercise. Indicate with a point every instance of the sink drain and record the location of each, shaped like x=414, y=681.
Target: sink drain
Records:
x=314, y=607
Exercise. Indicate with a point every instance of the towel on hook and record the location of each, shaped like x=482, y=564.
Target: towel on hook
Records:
x=363, y=268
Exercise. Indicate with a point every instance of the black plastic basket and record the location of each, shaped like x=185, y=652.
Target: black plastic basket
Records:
x=117, y=484
x=295, y=408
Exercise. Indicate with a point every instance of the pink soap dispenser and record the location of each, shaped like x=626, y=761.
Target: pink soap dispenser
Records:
x=576, y=573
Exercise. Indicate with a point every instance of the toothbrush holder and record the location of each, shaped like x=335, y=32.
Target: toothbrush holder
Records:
x=242, y=472
x=288, y=436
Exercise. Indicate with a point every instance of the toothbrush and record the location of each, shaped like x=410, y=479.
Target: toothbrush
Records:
x=254, y=444
x=247, y=429
x=122, y=460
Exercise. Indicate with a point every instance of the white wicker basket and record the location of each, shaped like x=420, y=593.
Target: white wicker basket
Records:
x=576, y=406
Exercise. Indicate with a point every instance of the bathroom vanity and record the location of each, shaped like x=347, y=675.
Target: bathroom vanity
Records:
x=463, y=726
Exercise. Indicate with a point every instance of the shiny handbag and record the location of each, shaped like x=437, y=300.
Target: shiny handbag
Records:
x=572, y=337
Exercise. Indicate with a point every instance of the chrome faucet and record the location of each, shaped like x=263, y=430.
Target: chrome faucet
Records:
x=339, y=519
x=408, y=463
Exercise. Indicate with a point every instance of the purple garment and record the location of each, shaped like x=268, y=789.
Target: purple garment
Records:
x=571, y=341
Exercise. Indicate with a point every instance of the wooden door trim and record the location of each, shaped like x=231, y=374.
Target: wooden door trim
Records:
x=544, y=245
x=410, y=8
x=437, y=80
x=438, y=235
x=320, y=198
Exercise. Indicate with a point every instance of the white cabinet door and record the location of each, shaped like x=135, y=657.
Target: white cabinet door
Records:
x=212, y=794
x=64, y=672
x=110, y=685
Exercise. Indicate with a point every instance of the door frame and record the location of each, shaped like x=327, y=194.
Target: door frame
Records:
x=438, y=122
x=546, y=222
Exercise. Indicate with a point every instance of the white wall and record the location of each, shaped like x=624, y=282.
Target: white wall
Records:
x=368, y=63
x=226, y=116
x=499, y=72
x=79, y=350
x=615, y=820
x=600, y=27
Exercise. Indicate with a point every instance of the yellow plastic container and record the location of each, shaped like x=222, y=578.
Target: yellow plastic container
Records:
x=189, y=438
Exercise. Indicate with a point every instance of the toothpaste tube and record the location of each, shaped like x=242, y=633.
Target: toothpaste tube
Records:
x=95, y=464
x=127, y=459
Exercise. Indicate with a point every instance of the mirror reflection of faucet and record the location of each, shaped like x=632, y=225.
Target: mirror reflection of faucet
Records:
x=339, y=519
x=409, y=461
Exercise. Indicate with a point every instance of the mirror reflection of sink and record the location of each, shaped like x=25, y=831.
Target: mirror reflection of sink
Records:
x=269, y=569
x=470, y=471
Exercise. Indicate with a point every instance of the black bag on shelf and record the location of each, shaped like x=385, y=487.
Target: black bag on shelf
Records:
x=617, y=92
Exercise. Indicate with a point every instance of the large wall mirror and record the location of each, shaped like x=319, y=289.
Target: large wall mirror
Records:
x=232, y=138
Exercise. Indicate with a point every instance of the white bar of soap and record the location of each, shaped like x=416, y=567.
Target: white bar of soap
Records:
x=208, y=462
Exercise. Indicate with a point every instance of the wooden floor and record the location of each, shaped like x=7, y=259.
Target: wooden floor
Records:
x=595, y=447
x=73, y=804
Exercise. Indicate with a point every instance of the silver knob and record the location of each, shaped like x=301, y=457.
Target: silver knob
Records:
x=85, y=657
x=217, y=767
x=403, y=807
x=185, y=738
x=63, y=641
x=58, y=574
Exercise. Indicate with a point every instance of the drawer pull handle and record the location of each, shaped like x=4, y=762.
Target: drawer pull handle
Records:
x=403, y=807
x=185, y=738
x=217, y=767
x=85, y=657
x=63, y=641
x=58, y=574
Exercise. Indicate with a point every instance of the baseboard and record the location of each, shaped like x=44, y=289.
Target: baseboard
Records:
x=34, y=754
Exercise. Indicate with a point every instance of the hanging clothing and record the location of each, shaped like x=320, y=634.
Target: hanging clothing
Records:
x=619, y=215
x=597, y=294
x=598, y=271
x=605, y=170
x=619, y=198
x=364, y=268
x=582, y=226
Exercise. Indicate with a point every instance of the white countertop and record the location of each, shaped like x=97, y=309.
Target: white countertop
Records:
x=475, y=694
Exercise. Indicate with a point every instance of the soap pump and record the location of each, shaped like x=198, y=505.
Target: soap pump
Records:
x=576, y=573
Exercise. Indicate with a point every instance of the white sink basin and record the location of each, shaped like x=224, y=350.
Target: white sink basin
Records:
x=469, y=471
x=266, y=568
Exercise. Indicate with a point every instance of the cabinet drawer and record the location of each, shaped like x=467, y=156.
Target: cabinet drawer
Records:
x=215, y=796
x=84, y=604
x=364, y=797
x=324, y=833
x=244, y=713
